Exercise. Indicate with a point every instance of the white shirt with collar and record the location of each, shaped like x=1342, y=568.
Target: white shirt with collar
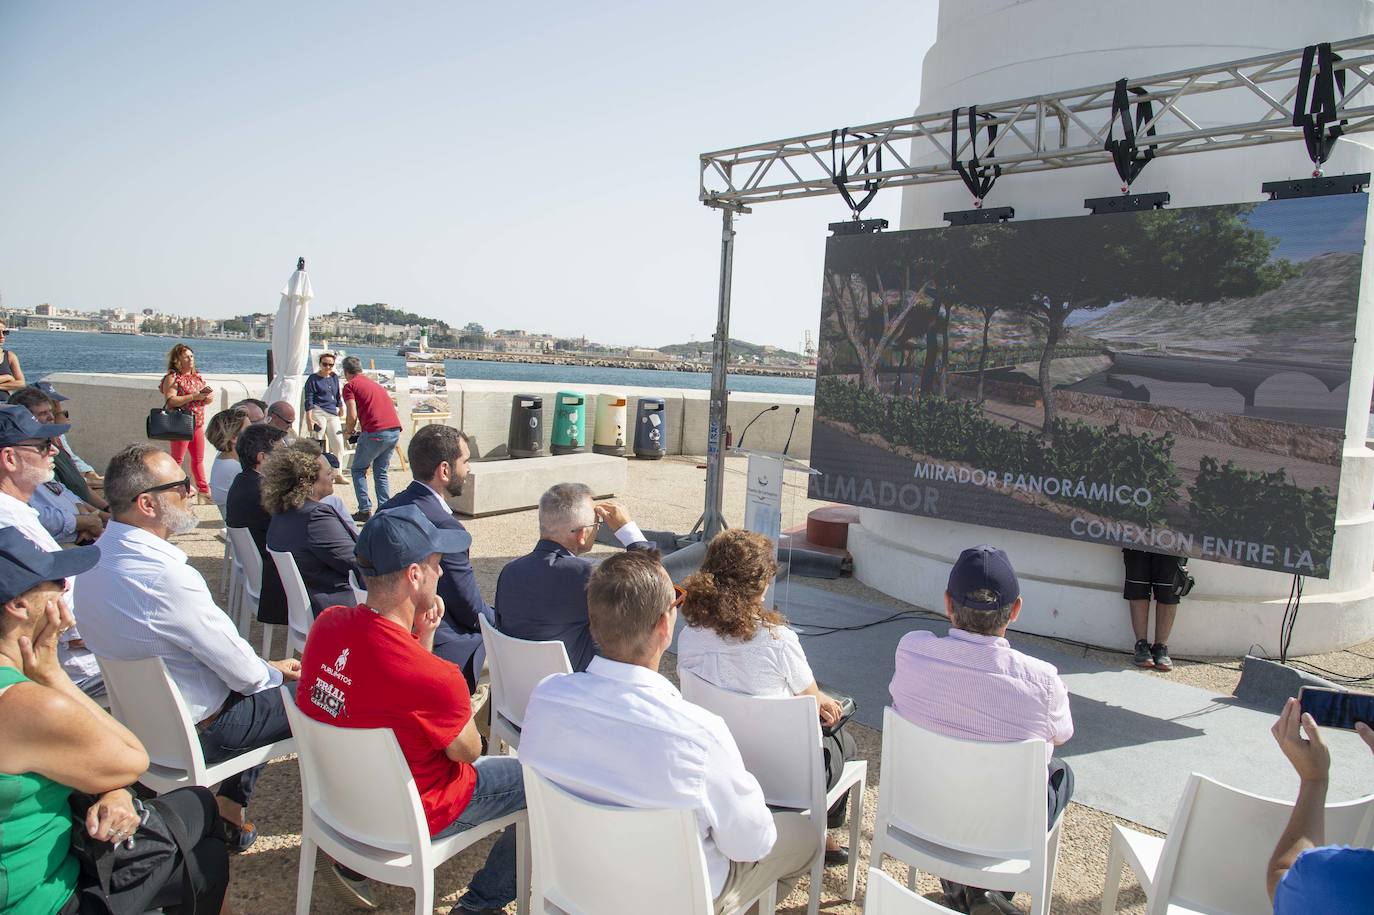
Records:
x=78, y=663
x=622, y=734
x=144, y=600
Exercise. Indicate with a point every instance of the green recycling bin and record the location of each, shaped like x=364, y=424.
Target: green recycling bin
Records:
x=569, y=423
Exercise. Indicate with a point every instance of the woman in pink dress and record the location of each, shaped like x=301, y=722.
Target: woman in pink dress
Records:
x=186, y=390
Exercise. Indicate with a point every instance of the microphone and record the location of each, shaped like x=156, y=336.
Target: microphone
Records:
x=790, y=431
x=751, y=422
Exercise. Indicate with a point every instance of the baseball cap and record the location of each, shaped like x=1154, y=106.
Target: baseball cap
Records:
x=982, y=568
x=397, y=537
x=23, y=565
x=47, y=388
x=18, y=425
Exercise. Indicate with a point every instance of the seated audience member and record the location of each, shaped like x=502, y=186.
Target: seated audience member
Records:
x=733, y=641
x=620, y=733
x=55, y=741
x=1305, y=874
x=395, y=681
x=543, y=595
x=243, y=508
x=222, y=432
x=971, y=684
x=144, y=600
x=439, y=462
x=255, y=408
x=294, y=480
x=283, y=416
x=44, y=410
x=25, y=470
x=62, y=415
x=62, y=512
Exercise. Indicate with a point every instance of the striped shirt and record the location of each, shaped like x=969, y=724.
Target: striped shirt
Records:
x=977, y=687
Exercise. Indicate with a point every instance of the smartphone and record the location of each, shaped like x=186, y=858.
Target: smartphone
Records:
x=1332, y=708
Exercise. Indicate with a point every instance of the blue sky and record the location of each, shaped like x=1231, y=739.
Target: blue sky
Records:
x=1312, y=226
x=528, y=166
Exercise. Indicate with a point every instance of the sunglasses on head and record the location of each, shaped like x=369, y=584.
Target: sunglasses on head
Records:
x=679, y=597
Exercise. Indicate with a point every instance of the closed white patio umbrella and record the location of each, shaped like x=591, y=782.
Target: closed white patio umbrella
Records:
x=291, y=339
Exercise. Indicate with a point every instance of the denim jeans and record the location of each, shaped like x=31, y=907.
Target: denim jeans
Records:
x=374, y=449
x=246, y=723
x=500, y=790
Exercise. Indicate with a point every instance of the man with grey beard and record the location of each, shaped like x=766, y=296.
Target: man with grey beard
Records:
x=143, y=599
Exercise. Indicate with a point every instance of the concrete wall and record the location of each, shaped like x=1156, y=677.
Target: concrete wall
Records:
x=109, y=412
x=1073, y=589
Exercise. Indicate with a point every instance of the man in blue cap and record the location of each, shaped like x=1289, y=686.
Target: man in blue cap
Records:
x=373, y=666
x=971, y=684
x=26, y=446
x=63, y=415
x=44, y=407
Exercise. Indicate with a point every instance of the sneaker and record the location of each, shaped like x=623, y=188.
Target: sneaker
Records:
x=238, y=838
x=1160, y=654
x=1143, y=657
x=358, y=886
x=362, y=516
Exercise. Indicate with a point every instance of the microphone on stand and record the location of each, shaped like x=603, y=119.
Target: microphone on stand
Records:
x=790, y=431
x=752, y=421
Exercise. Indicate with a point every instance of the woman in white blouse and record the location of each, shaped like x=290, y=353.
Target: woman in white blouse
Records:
x=732, y=641
x=222, y=431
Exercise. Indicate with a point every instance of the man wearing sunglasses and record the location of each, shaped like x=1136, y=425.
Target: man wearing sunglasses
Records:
x=26, y=449
x=143, y=599
x=324, y=406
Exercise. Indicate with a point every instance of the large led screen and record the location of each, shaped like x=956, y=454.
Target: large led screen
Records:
x=1172, y=380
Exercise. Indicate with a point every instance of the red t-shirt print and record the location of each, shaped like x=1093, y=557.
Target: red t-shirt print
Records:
x=360, y=670
x=375, y=409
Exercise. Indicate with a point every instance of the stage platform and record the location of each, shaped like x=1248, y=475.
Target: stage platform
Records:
x=1137, y=736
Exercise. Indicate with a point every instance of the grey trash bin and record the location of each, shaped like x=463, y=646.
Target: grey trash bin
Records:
x=651, y=428
x=526, y=436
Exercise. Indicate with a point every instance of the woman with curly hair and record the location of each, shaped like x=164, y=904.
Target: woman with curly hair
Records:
x=734, y=642
x=295, y=480
x=185, y=390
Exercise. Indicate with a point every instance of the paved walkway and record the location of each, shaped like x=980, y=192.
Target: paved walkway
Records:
x=1137, y=736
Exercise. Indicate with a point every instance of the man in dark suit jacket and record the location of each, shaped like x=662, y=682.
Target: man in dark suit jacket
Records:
x=439, y=461
x=543, y=596
x=243, y=508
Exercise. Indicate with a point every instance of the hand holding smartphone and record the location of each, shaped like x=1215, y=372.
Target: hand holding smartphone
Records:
x=1332, y=708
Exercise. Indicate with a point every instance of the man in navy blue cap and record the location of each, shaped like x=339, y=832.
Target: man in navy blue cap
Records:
x=62, y=415
x=44, y=408
x=373, y=666
x=973, y=685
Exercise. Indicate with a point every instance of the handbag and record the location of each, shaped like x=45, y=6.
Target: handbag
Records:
x=166, y=425
x=133, y=875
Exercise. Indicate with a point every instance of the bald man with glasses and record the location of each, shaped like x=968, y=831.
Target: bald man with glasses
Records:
x=143, y=599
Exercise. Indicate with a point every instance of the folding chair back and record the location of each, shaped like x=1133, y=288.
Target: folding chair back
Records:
x=298, y=610
x=516, y=666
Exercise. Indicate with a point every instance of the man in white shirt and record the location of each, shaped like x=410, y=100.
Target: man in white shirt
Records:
x=620, y=733
x=143, y=600
x=26, y=449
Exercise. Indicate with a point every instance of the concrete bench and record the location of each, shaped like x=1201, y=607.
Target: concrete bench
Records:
x=511, y=485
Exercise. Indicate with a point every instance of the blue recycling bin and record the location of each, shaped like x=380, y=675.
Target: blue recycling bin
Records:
x=651, y=428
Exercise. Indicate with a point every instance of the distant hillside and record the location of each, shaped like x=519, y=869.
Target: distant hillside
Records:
x=737, y=348
x=1309, y=318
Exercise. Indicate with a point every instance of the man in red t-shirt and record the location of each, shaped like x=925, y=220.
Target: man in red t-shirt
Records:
x=369, y=408
x=372, y=666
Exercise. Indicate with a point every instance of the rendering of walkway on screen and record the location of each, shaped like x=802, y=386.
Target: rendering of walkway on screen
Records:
x=1136, y=737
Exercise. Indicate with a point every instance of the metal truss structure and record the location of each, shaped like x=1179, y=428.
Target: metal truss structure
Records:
x=1058, y=130
x=1053, y=131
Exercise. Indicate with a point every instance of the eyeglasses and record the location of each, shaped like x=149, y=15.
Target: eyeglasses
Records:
x=595, y=524
x=47, y=446
x=5, y=333
x=184, y=484
x=327, y=365
x=679, y=597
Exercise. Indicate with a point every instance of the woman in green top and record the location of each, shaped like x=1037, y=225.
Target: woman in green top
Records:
x=53, y=740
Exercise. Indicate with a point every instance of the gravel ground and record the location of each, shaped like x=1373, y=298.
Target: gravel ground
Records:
x=666, y=495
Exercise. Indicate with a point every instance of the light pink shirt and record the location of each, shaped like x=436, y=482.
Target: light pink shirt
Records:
x=977, y=687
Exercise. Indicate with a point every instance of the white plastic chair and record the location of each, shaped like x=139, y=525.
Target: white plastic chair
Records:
x=359, y=592
x=968, y=811
x=145, y=700
x=886, y=896
x=779, y=738
x=516, y=666
x=360, y=805
x=595, y=858
x=1213, y=857
x=299, y=614
x=250, y=561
